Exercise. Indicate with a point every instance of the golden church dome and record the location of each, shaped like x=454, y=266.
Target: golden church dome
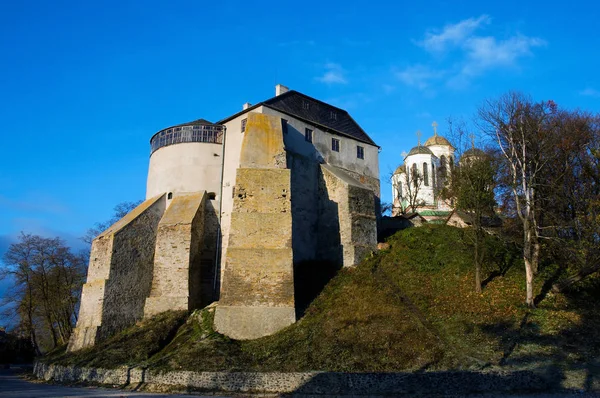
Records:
x=401, y=169
x=420, y=149
x=437, y=140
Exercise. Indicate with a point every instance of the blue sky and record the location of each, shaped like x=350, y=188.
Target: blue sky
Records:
x=85, y=84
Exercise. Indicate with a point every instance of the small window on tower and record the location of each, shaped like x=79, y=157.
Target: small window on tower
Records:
x=308, y=135
x=244, y=125
x=212, y=195
x=335, y=145
x=170, y=195
x=360, y=152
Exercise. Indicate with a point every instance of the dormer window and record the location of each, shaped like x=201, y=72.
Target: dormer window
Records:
x=305, y=105
x=332, y=115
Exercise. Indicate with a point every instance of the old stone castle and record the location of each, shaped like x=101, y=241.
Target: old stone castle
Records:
x=231, y=208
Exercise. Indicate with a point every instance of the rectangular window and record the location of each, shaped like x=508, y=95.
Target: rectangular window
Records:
x=244, y=125
x=284, y=126
x=360, y=152
x=332, y=115
x=306, y=105
x=308, y=135
x=335, y=145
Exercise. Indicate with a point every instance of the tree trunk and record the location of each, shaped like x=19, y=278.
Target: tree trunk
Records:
x=566, y=283
x=30, y=325
x=535, y=258
x=34, y=342
x=529, y=282
x=477, y=265
x=527, y=257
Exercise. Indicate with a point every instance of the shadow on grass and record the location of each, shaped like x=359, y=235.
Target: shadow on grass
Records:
x=443, y=383
x=310, y=278
x=570, y=354
x=504, y=256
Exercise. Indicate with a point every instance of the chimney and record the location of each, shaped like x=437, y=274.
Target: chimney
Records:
x=246, y=106
x=280, y=89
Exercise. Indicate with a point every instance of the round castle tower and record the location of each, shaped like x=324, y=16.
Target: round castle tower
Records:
x=186, y=158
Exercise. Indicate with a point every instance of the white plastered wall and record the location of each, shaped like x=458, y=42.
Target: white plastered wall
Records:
x=321, y=146
x=425, y=192
x=185, y=167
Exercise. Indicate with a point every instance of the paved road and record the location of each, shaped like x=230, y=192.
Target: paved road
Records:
x=14, y=386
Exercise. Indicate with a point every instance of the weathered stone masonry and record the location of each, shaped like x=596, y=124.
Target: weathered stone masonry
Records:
x=332, y=383
x=257, y=297
x=177, y=259
x=347, y=224
x=237, y=213
x=119, y=275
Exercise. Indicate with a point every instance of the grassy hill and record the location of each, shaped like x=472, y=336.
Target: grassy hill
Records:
x=410, y=307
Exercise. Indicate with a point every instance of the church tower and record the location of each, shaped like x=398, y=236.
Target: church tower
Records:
x=417, y=184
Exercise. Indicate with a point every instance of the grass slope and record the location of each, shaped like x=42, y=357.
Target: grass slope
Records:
x=410, y=307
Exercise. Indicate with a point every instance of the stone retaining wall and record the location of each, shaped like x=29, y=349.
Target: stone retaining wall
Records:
x=327, y=383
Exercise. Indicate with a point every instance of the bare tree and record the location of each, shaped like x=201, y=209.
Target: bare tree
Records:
x=120, y=210
x=572, y=198
x=523, y=132
x=47, y=282
x=473, y=183
x=409, y=182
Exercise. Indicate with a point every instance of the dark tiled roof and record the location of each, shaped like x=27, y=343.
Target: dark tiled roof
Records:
x=199, y=122
x=420, y=150
x=314, y=111
x=487, y=220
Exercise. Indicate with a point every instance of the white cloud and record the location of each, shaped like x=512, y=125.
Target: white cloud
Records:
x=334, y=74
x=488, y=52
x=452, y=34
x=469, y=54
x=590, y=92
x=419, y=76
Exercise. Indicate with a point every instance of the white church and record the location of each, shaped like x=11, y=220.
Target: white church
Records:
x=417, y=184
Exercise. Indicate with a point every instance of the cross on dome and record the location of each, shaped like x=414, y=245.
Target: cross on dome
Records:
x=419, y=137
x=434, y=124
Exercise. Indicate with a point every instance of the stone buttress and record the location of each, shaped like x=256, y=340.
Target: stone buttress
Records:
x=177, y=260
x=119, y=275
x=347, y=230
x=257, y=296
